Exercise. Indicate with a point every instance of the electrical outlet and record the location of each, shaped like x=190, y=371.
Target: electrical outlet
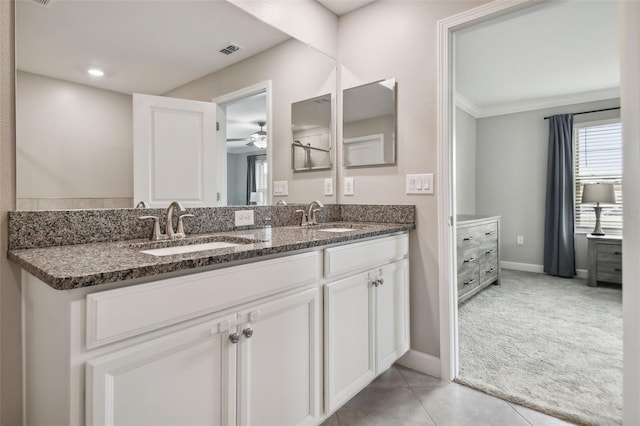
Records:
x=244, y=217
x=328, y=186
x=348, y=186
x=520, y=239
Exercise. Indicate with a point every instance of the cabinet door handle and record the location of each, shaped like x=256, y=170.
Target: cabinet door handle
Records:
x=468, y=282
x=471, y=259
x=248, y=332
x=381, y=281
x=234, y=338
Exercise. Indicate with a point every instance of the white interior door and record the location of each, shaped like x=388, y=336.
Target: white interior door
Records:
x=175, y=153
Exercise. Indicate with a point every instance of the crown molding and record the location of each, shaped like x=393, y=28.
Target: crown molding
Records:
x=540, y=103
x=467, y=106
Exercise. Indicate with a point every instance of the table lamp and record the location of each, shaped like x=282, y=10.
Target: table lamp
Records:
x=598, y=193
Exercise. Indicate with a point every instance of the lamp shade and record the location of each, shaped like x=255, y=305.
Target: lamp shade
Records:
x=602, y=193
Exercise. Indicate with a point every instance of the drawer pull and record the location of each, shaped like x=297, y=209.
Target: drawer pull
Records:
x=469, y=238
x=468, y=282
x=490, y=271
x=471, y=259
x=489, y=233
x=489, y=251
x=617, y=253
x=617, y=269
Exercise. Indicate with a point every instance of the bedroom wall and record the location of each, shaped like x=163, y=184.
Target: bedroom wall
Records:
x=465, y=168
x=511, y=177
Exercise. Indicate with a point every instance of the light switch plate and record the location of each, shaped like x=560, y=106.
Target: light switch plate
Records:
x=419, y=184
x=280, y=188
x=348, y=186
x=244, y=217
x=328, y=186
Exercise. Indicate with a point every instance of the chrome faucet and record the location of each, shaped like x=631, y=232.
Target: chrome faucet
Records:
x=312, y=217
x=177, y=207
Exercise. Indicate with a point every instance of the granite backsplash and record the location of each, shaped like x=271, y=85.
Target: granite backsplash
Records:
x=39, y=229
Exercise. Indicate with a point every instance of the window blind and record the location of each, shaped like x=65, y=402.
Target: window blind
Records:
x=598, y=158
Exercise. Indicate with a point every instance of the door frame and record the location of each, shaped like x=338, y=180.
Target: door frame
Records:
x=263, y=86
x=630, y=102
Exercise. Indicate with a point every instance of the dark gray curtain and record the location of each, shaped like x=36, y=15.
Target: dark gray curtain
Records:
x=559, y=249
x=251, y=176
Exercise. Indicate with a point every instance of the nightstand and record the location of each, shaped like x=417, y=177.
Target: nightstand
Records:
x=605, y=259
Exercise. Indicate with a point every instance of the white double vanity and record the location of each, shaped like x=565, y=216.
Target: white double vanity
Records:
x=281, y=339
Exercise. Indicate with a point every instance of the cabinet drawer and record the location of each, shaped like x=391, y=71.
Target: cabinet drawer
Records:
x=361, y=256
x=488, y=252
x=489, y=271
x=489, y=232
x=122, y=313
x=468, y=237
x=467, y=281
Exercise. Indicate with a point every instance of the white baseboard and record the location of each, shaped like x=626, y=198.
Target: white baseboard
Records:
x=530, y=267
x=424, y=363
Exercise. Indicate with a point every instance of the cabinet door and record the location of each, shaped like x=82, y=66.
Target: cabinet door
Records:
x=186, y=378
x=392, y=314
x=279, y=362
x=349, y=339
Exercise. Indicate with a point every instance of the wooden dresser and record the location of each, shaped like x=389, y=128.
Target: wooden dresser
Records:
x=478, y=244
x=605, y=259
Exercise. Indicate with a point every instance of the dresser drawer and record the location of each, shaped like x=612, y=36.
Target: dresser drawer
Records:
x=488, y=252
x=489, y=271
x=467, y=282
x=489, y=232
x=467, y=259
x=115, y=315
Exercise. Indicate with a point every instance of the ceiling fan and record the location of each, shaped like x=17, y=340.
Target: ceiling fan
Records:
x=257, y=139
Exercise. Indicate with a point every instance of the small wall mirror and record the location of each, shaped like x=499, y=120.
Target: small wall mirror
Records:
x=311, y=130
x=369, y=124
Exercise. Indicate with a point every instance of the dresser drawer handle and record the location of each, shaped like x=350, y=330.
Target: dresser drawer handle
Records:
x=469, y=238
x=617, y=269
x=617, y=253
x=471, y=259
x=490, y=233
x=490, y=271
x=490, y=251
x=468, y=282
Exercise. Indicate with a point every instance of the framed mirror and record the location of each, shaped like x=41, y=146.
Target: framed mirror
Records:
x=74, y=144
x=311, y=128
x=369, y=124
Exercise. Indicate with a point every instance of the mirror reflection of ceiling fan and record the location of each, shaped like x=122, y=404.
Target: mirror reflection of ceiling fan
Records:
x=257, y=139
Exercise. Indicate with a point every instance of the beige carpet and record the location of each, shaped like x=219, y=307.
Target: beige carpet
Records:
x=552, y=344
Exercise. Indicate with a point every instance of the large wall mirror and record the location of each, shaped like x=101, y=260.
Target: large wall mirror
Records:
x=75, y=138
x=369, y=124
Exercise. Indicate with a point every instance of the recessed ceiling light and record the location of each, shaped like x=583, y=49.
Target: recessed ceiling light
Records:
x=96, y=72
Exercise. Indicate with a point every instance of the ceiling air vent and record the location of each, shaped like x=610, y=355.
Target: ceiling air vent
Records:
x=227, y=50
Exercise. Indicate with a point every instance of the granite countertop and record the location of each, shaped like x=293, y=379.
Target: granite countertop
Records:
x=84, y=265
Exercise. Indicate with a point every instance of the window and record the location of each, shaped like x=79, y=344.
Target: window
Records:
x=261, y=181
x=598, y=158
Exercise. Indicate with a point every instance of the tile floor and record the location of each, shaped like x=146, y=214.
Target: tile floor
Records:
x=403, y=397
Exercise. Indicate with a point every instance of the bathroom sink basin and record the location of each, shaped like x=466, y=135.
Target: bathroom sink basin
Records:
x=192, y=244
x=168, y=251
x=340, y=227
x=337, y=229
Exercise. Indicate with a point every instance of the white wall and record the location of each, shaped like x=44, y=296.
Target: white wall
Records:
x=465, y=157
x=297, y=73
x=91, y=159
x=397, y=38
x=511, y=177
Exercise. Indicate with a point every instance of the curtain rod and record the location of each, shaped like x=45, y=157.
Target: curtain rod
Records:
x=588, y=112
